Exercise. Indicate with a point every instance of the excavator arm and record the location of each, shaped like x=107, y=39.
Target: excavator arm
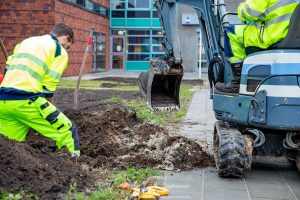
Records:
x=160, y=85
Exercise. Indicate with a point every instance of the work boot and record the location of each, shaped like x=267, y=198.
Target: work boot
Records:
x=234, y=85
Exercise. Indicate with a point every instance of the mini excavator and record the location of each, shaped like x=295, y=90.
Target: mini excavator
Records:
x=262, y=120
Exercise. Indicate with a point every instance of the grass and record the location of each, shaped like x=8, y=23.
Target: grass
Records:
x=17, y=196
x=159, y=117
x=112, y=192
x=97, y=85
x=133, y=175
x=164, y=117
x=114, y=100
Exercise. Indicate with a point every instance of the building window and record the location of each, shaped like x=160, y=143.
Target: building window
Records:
x=138, y=40
x=158, y=55
x=138, y=57
x=154, y=14
x=138, y=14
x=138, y=32
x=99, y=54
x=117, y=14
x=157, y=49
x=118, y=32
x=80, y=2
x=117, y=5
x=90, y=6
x=156, y=40
x=138, y=48
x=145, y=4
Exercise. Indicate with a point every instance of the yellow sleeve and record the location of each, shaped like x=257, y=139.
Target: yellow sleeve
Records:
x=54, y=73
x=252, y=9
x=8, y=61
x=9, y=58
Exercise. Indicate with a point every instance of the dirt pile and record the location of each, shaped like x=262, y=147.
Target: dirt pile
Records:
x=114, y=138
x=117, y=138
x=39, y=170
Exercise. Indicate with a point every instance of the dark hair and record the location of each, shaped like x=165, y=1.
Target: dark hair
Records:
x=62, y=29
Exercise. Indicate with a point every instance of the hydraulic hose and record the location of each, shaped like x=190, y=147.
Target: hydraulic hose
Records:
x=260, y=138
x=288, y=142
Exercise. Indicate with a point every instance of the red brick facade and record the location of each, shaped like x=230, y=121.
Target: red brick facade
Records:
x=22, y=19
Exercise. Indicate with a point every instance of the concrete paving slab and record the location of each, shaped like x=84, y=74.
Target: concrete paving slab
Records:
x=225, y=189
x=292, y=178
x=268, y=182
x=185, y=185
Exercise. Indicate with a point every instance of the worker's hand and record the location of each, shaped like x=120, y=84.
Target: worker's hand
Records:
x=75, y=154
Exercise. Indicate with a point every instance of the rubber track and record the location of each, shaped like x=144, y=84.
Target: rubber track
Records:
x=230, y=152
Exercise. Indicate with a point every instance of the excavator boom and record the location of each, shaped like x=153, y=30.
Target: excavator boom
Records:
x=161, y=84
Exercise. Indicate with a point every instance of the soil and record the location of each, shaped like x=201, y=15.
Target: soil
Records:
x=39, y=170
x=111, y=136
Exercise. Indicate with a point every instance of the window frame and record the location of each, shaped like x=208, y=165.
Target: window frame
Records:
x=107, y=11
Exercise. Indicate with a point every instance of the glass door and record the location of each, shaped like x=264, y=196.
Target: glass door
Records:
x=99, y=52
x=118, y=52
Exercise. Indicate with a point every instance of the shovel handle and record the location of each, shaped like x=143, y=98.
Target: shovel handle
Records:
x=3, y=49
x=89, y=43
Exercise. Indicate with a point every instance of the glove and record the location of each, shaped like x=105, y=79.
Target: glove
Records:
x=75, y=154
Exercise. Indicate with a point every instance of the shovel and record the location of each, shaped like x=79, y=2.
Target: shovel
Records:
x=5, y=55
x=87, y=48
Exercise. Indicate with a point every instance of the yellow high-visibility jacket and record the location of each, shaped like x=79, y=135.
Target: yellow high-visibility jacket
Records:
x=34, y=69
x=271, y=21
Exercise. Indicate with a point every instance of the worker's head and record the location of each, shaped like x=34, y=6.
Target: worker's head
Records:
x=64, y=35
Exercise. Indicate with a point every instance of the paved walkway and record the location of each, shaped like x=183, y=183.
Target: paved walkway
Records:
x=131, y=74
x=263, y=182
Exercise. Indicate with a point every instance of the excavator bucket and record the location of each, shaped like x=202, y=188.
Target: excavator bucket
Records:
x=160, y=85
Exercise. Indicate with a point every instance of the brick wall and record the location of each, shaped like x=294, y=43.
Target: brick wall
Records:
x=81, y=22
x=22, y=19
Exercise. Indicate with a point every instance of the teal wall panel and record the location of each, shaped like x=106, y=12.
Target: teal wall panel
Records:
x=136, y=65
x=117, y=22
x=156, y=23
x=138, y=22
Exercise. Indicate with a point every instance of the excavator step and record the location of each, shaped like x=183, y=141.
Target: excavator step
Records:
x=229, y=150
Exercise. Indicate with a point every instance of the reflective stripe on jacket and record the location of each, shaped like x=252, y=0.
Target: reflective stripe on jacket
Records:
x=34, y=69
x=271, y=20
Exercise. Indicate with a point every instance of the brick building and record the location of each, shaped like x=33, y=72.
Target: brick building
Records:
x=20, y=19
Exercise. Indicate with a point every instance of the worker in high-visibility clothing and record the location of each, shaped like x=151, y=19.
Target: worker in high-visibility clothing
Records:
x=26, y=92
x=267, y=24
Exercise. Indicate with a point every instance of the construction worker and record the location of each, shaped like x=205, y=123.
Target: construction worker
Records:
x=267, y=24
x=26, y=92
